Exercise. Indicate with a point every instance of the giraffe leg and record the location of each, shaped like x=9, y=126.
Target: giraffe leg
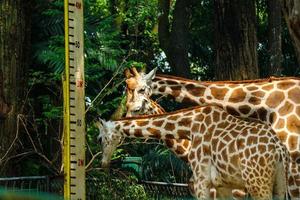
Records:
x=202, y=188
x=294, y=181
x=259, y=179
x=280, y=186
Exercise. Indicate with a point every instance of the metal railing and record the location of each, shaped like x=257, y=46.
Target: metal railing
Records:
x=42, y=184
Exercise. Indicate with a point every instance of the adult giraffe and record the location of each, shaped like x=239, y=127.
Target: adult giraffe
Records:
x=274, y=100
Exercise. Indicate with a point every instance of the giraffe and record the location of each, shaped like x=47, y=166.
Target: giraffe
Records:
x=226, y=151
x=275, y=101
x=180, y=147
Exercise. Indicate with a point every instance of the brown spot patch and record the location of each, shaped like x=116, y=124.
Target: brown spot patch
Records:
x=219, y=93
x=206, y=150
x=169, y=143
x=252, y=139
x=293, y=124
x=138, y=133
x=295, y=157
x=237, y=95
x=263, y=140
x=194, y=90
x=286, y=108
x=268, y=87
x=118, y=127
x=195, y=128
x=211, y=128
x=216, y=116
x=285, y=85
x=186, y=122
x=175, y=93
x=202, y=128
x=295, y=192
x=169, y=136
x=197, y=141
x=158, y=123
x=252, y=88
x=221, y=144
x=258, y=94
x=207, y=110
x=162, y=89
x=141, y=123
x=186, y=143
x=199, y=118
x=232, y=110
x=169, y=126
x=183, y=134
x=298, y=111
x=245, y=109
x=262, y=114
x=254, y=100
x=293, y=142
x=173, y=117
x=207, y=120
x=254, y=115
x=171, y=82
x=233, y=85
x=272, y=117
x=274, y=99
x=294, y=95
x=154, y=132
x=127, y=123
x=126, y=131
x=282, y=135
x=241, y=143
x=180, y=150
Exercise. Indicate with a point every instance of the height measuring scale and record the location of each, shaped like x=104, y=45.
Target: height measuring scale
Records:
x=74, y=103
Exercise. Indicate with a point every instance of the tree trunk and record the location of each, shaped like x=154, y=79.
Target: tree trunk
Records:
x=274, y=35
x=235, y=40
x=174, y=42
x=12, y=66
x=291, y=11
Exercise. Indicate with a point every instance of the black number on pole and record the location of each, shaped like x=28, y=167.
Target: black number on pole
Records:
x=77, y=44
x=79, y=122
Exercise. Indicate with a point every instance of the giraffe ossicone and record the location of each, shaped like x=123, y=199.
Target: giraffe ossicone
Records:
x=226, y=151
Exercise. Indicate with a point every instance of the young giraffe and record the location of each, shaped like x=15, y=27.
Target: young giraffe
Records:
x=275, y=101
x=226, y=151
x=180, y=147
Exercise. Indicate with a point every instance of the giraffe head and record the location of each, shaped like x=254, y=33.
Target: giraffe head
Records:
x=109, y=140
x=138, y=92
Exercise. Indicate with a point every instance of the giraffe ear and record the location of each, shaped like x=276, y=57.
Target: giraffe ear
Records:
x=150, y=76
x=100, y=123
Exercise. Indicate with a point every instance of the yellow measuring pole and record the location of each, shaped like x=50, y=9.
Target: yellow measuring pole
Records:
x=74, y=103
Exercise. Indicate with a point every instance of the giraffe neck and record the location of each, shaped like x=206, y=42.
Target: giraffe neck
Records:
x=180, y=147
x=256, y=98
x=160, y=126
x=173, y=125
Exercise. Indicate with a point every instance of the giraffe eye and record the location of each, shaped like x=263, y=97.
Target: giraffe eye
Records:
x=143, y=90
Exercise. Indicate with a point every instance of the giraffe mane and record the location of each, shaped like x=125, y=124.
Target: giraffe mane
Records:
x=270, y=79
x=163, y=114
